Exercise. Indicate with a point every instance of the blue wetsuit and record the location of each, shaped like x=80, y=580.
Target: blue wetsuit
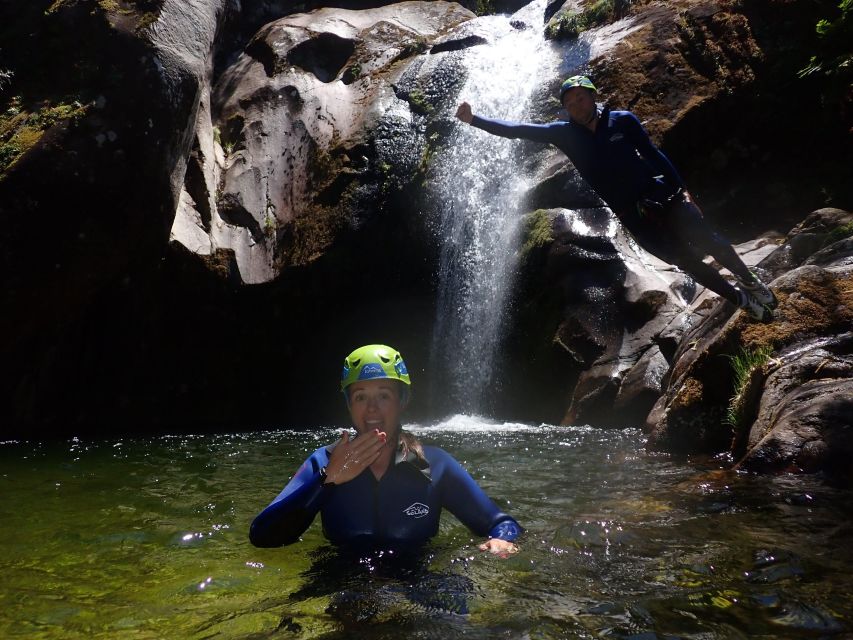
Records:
x=402, y=508
x=641, y=187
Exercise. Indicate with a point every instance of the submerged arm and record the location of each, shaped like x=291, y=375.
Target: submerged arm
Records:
x=464, y=498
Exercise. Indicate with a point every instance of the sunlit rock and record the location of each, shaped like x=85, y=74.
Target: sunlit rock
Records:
x=302, y=116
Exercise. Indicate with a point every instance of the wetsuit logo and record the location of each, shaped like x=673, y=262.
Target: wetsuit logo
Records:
x=616, y=137
x=416, y=510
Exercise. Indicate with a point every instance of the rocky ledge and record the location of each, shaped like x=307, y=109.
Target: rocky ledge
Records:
x=777, y=396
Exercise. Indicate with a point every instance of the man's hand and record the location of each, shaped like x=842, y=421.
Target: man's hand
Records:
x=464, y=113
x=498, y=547
x=351, y=457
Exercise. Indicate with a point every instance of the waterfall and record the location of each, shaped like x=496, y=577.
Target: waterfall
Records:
x=478, y=187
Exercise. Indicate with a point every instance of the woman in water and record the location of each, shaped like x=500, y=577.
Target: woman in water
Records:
x=381, y=486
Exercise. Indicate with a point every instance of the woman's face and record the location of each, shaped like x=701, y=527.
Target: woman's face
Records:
x=375, y=404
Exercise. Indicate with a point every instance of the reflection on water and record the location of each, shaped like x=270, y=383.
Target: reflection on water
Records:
x=146, y=538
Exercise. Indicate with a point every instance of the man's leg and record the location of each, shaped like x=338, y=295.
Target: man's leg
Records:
x=674, y=251
x=695, y=231
x=710, y=278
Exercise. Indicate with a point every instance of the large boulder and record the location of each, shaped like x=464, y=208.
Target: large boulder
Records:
x=305, y=136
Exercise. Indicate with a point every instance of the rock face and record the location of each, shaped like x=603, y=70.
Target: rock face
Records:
x=794, y=407
x=309, y=134
x=96, y=130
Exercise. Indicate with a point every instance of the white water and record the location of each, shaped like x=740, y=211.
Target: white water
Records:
x=479, y=186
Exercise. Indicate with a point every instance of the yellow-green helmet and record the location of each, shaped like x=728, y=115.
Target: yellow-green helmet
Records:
x=374, y=361
x=575, y=81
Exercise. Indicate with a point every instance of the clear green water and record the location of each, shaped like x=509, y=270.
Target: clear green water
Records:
x=146, y=538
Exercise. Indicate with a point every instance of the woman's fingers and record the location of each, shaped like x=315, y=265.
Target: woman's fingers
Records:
x=351, y=457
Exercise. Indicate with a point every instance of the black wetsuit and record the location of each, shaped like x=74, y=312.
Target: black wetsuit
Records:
x=402, y=508
x=642, y=188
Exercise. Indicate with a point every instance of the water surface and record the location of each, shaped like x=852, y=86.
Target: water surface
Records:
x=146, y=538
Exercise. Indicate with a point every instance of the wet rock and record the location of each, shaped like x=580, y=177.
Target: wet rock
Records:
x=613, y=300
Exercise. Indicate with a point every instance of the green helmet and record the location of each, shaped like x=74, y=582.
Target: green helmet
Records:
x=575, y=81
x=374, y=361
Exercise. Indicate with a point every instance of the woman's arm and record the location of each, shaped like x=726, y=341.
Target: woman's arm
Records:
x=291, y=513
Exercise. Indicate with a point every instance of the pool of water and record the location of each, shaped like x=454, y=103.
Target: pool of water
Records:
x=147, y=538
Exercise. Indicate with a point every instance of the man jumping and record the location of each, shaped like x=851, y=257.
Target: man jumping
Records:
x=613, y=153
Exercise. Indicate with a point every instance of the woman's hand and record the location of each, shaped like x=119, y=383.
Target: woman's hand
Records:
x=464, y=113
x=498, y=547
x=351, y=457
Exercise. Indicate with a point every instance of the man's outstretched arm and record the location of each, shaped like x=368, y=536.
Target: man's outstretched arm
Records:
x=545, y=133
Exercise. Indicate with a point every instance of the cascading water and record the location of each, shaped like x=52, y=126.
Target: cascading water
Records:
x=478, y=186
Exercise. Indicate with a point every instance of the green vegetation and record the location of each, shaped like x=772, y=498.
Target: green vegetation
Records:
x=485, y=7
x=20, y=129
x=831, y=67
x=835, y=58
x=270, y=224
x=744, y=365
x=431, y=149
x=148, y=11
x=413, y=47
x=419, y=103
x=352, y=73
x=572, y=23
x=537, y=233
x=146, y=19
x=839, y=233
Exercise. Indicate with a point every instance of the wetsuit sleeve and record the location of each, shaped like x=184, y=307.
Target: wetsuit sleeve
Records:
x=291, y=513
x=507, y=129
x=654, y=156
x=464, y=498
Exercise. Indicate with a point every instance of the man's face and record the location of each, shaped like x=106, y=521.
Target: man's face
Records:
x=579, y=102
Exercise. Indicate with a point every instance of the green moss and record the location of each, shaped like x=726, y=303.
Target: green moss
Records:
x=413, y=47
x=146, y=19
x=572, y=23
x=839, y=233
x=270, y=224
x=20, y=130
x=419, y=103
x=537, y=233
x=431, y=149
